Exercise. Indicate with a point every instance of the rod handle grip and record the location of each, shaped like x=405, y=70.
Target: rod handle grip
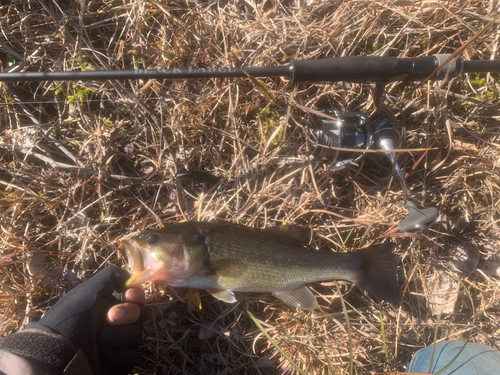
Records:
x=363, y=69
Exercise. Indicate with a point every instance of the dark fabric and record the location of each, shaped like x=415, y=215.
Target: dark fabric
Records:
x=48, y=351
x=81, y=313
x=80, y=316
x=78, y=365
x=122, y=360
x=122, y=336
x=13, y=364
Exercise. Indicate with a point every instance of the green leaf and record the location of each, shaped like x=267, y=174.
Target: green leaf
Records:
x=478, y=81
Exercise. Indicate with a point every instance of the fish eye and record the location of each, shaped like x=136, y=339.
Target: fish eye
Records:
x=154, y=238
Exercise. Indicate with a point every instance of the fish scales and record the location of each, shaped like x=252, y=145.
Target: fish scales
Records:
x=269, y=263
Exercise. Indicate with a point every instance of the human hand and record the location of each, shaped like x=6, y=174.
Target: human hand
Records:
x=121, y=338
x=104, y=324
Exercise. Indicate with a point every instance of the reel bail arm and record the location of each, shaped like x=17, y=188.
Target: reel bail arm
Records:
x=387, y=136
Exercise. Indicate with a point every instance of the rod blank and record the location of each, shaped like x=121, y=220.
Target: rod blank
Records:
x=279, y=71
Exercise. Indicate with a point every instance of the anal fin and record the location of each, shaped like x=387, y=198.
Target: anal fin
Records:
x=222, y=294
x=301, y=298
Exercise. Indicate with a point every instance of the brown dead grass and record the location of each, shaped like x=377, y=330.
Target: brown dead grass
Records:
x=84, y=164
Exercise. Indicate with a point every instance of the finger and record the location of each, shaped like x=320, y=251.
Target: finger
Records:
x=134, y=295
x=123, y=313
x=122, y=336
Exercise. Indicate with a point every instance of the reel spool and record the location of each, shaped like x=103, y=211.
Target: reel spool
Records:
x=350, y=130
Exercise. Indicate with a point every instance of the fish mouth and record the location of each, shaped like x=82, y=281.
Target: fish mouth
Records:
x=144, y=267
x=136, y=263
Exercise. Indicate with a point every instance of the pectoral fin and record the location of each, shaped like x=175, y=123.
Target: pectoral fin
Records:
x=222, y=294
x=226, y=267
x=301, y=298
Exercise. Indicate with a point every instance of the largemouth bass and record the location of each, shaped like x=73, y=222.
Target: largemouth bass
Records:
x=223, y=258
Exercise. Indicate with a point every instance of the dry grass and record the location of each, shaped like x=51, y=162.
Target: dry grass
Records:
x=82, y=165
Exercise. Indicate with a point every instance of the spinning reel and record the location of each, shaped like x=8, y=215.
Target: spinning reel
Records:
x=352, y=130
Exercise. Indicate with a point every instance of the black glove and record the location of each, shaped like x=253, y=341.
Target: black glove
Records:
x=80, y=316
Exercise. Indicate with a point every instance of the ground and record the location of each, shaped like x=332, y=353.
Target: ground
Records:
x=84, y=164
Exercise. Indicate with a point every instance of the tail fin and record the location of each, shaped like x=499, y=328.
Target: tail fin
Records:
x=378, y=274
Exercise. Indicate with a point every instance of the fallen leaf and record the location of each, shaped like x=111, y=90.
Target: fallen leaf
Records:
x=463, y=146
x=443, y=292
x=193, y=299
x=128, y=148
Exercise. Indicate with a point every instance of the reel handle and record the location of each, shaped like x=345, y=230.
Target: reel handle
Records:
x=418, y=218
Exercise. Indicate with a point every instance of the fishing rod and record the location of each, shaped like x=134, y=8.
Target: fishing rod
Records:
x=343, y=130
x=350, y=69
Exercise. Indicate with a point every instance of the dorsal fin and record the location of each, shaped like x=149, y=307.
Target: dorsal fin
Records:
x=295, y=233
